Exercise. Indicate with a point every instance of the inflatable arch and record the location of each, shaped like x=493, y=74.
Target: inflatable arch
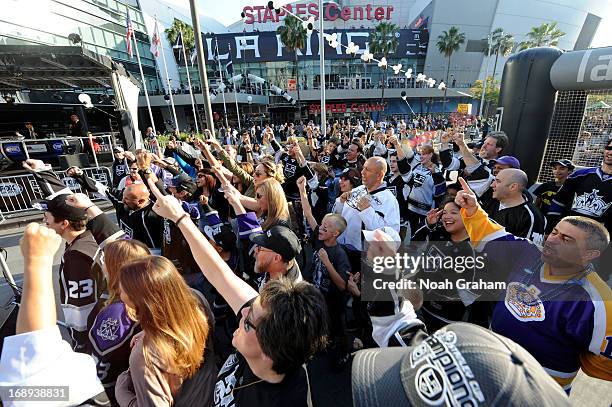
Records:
x=530, y=82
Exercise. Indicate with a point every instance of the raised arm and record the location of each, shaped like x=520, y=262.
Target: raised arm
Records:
x=306, y=208
x=37, y=310
x=231, y=287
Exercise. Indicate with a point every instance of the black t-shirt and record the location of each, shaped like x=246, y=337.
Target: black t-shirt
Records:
x=546, y=192
x=320, y=276
x=237, y=385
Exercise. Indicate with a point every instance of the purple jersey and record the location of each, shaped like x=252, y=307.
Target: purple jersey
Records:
x=563, y=321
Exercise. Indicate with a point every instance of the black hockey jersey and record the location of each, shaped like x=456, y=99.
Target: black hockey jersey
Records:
x=586, y=192
x=524, y=220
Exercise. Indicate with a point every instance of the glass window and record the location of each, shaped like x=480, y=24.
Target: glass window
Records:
x=98, y=36
x=111, y=39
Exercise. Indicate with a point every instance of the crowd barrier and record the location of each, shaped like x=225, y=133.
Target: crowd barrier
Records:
x=17, y=192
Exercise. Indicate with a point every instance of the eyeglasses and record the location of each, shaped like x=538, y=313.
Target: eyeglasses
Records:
x=133, y=169
x=248, y=325
x=258, y=196
x=260, y=174
x=608, y=148
x=201, y=175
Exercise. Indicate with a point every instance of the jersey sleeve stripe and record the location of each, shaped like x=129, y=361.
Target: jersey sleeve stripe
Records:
x=601, y=296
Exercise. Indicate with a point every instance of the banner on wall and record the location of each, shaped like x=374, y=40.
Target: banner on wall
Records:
x=266, y=46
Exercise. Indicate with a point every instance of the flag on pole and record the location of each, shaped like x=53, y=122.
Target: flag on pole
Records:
x=179, y=45
x=129, y=33
x=229, y=67
x=193, y=57
x=155, y=42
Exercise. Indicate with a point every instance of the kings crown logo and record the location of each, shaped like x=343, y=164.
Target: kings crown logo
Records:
x=591, y=203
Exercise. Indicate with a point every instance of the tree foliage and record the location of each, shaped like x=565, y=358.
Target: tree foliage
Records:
x=172, y=34
x=544, y=35
x=448, y=43
x=383, y=41
x=492, y=92
x=293, y=36
x=501, y=44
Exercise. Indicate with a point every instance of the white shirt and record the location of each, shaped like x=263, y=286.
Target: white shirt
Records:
x=383, y=211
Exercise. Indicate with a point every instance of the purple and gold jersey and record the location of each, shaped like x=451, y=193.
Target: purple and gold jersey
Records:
x=565, y=322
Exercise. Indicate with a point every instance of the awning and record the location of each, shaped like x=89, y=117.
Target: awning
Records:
x=54, y=67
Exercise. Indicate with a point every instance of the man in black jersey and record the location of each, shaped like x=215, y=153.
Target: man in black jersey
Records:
x=587, y=192
x=511, y=209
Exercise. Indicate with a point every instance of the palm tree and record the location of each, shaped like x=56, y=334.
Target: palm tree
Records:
x=172, y=34
x=500, y=44
x=544, y=35
x=293, y=36
x=448, y=43
x=383, y=41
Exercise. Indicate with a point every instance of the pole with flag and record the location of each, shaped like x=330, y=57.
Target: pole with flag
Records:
x=129, y=36
x=229, y=66
x=222, y=83
x=167, y=76
x=193, y=107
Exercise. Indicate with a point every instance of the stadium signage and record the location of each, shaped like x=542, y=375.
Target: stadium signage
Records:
x=266, y=46
x=346, y=108
x=331, y=12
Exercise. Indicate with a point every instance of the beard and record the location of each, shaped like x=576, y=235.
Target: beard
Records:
x=260, y=267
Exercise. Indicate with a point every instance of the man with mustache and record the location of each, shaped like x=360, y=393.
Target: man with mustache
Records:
x=555, y=305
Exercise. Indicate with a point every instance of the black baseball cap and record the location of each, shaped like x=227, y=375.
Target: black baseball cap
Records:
x=460, y=364
x=566, y=163
x=183, y=182
x=221, y=234
x=280, y=239
x=59, y=208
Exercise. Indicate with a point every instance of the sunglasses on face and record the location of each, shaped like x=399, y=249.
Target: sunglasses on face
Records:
x=259, y=174
x=133, y=169
x=258, y=196
x=608, y=148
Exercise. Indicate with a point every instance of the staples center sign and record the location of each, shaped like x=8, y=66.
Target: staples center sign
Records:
x=331, y=12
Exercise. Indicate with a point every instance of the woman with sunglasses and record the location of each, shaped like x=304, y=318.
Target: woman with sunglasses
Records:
x=173, y=355
x=267, y=367
x=131, y=178
x=272, y=205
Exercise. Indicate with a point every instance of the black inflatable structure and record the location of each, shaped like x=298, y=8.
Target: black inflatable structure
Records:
x=528, y=98
x=530, y=82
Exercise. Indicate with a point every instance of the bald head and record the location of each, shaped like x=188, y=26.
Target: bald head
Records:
x=373, y=172
x=509, y=184
x=514, y=175
x=379, y=163
x=136, y=196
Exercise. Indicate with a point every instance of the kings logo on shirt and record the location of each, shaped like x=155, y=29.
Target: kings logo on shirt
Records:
x=108, y=329
x=524, y=303
x=591, y=204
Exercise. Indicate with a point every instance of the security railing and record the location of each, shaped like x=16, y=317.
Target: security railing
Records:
x=18, y=192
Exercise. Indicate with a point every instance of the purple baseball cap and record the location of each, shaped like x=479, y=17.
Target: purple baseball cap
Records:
x=513, y=162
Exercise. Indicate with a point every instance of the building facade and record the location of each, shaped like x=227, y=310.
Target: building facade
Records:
x=255, y=51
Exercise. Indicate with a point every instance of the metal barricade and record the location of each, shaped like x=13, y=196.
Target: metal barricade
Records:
x=18, y=191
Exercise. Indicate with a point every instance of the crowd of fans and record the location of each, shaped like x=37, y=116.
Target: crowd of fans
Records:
x=233, y=260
